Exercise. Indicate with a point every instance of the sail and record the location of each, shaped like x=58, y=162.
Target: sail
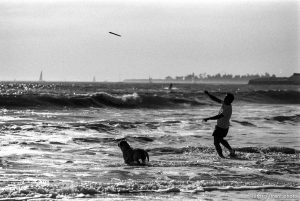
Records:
x=41, y=77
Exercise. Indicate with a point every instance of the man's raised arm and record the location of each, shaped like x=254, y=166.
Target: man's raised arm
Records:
x=213, y=97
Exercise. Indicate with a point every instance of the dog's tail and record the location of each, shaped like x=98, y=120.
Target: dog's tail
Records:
x=147, y=155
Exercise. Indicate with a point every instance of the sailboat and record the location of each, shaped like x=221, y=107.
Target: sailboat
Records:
x=41, y=77
x=94, y=79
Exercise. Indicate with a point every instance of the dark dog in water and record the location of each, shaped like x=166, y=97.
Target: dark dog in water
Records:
x=133, y=156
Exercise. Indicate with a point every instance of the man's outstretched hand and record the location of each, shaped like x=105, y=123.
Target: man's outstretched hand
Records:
x=205, y=119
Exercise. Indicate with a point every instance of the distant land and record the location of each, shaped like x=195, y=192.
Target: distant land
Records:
x=252, y=79
x=292, y=80
x=204, y=78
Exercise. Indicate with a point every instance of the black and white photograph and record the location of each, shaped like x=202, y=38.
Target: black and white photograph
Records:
x=149, y=100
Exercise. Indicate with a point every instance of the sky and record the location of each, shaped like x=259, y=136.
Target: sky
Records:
x=69, y=41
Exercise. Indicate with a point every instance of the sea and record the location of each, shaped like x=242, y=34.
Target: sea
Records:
x=58, y=140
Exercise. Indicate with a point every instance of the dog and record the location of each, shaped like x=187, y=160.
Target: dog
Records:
x=133, y=156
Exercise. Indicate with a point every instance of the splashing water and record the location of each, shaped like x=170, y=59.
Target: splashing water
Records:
x=54, y=144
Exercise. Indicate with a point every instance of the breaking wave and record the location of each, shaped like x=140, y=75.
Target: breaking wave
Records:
x=270, y=97
x=292, y=119
x=94, y=100
x=91, y=190
x=244, y=123
x=171, y=150
x=139, y=100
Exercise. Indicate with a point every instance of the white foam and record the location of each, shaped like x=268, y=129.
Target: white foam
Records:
x=169, y=190
x=243, y=188
x=16, y=150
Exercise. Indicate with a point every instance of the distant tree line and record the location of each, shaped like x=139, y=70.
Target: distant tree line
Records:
x=204, y=76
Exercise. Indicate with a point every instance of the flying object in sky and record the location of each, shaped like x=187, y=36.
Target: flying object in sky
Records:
x=114, y=34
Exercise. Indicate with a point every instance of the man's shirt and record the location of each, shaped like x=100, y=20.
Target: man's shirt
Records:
x=226, y=110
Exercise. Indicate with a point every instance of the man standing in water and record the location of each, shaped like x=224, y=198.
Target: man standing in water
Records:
x=222, y=126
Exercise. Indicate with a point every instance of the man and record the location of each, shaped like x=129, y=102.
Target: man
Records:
x=222, y=126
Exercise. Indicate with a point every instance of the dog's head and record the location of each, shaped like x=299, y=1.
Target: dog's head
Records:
x=124, y=145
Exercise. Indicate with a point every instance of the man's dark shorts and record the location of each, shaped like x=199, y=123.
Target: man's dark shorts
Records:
x=220, y=132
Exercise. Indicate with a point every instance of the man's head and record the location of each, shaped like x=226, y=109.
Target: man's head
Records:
x=228, y=98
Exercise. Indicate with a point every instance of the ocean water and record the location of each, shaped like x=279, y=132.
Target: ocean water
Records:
x=59, y=140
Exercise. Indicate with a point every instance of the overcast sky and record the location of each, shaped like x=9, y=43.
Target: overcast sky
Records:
x=69, y=40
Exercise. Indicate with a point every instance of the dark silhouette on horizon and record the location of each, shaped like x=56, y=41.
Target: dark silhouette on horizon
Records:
x=292, y=80
x=218, y=76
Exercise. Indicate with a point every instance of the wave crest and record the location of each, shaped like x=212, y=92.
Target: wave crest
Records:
x=102, y=99
x=293, y=118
